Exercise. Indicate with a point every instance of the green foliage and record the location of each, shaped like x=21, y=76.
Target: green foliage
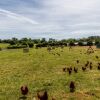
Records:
x=30, y=44
x=93, y=40
x=16, y=46
x=71, y=43
x=80, y=43
x=12, y=42
x=90, y=43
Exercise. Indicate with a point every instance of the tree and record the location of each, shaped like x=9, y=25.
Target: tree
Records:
x=90, y=43
x=13, y=41
x=80, y=43
x=30, y=44
x=43, y=40
x=71, y=44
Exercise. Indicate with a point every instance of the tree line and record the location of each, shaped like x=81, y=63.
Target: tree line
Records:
x=28, y=42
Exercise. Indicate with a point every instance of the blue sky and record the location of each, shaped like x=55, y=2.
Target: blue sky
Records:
x=59, y=19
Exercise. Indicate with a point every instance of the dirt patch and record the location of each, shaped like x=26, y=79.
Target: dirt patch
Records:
x=95, y=93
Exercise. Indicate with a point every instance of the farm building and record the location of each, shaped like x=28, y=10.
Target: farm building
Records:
x=84, y=43
x=93, y=43
x=26, y=50
x=76, y=43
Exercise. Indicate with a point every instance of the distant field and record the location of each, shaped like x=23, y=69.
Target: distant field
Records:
x=2, y=45
x=40, y=69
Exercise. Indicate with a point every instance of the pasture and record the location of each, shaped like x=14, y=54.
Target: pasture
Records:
x=40, y=69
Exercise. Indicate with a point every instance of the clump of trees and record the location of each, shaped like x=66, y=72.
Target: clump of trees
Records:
x=38, y=43
x=14, y=43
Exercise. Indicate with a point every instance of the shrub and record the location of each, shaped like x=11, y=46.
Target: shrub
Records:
x=12, y=42
x=80, y=43
x=30, y=44
x=16, y=46
x=71, y=44
x=89, y=43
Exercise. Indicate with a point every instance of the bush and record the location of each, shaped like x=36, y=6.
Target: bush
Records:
x=80, y=43
x=24, y=43
x=41, y=45
x=16, y=46
x=89, y=43
x=71, y=44
x=30, y=44
x=12, y=42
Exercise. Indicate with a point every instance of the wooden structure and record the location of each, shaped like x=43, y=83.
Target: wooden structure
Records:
x=25, y=50
x=49, y=49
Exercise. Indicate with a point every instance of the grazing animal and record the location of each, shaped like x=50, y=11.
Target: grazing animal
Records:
x=86, y=65
x=42, y=95
x=77, y=61
x=99, y=64
x=90, y=63
x=58, y=54
x=53, y=98
x=24, y=90
x=97, y=57
x=98, y=67
x=72, y=86
x=75, y=70
x=64, y=69
x=53, y=53
x=91, y=67
x=83, y=68
x=69, y=70
x=87, y=62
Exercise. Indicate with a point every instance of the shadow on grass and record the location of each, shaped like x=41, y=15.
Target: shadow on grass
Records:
x=22, y=98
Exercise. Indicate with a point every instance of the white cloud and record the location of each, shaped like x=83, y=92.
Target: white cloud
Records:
x=16, y=16
x=63, y=18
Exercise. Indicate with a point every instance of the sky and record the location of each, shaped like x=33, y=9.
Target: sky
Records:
x=58, y=19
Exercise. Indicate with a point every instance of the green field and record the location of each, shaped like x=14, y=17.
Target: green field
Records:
x=3, y=45
x=40, y=69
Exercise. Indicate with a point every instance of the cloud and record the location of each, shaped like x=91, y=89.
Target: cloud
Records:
x=16, y=16
x=55, y=18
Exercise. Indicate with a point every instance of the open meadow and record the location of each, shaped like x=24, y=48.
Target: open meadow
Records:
x=40, y=69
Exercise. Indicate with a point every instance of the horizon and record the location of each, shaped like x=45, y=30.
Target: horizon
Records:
x=50, y=38
x=49, y=19
x=16, y=35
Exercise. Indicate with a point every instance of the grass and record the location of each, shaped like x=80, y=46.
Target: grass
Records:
x=3, y=45
x=40, y=69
